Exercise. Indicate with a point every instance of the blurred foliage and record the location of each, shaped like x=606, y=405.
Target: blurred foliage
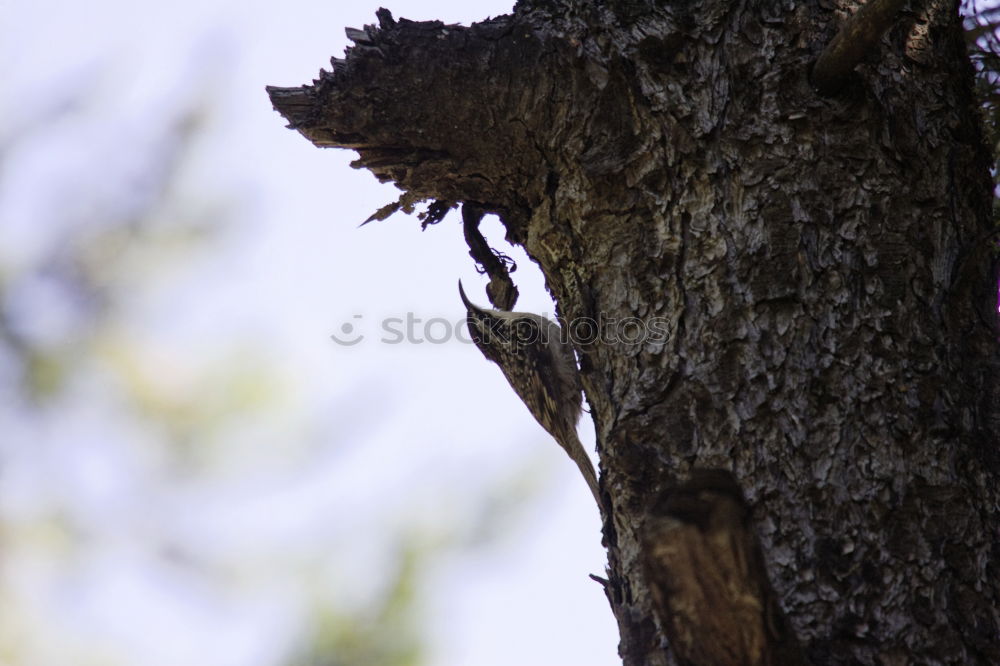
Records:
x=387, y=633
x=68, y=337
x=190, y=406
x=74, y=340
x=83, y=273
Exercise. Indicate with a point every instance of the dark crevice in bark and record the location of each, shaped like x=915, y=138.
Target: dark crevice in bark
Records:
x=710, y=586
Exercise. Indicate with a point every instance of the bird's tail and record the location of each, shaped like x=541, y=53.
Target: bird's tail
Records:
x=579, y=455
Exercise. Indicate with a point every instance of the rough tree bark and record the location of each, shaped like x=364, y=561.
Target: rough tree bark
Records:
x=825, y=266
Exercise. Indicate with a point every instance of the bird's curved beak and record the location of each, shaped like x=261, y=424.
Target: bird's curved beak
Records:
x=468, y=304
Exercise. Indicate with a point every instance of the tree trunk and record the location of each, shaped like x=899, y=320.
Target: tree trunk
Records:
x=822, y=268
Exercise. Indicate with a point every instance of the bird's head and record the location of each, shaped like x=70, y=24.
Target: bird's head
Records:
x=496, y=332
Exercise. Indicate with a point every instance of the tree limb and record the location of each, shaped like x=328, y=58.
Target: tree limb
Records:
x=430, y=107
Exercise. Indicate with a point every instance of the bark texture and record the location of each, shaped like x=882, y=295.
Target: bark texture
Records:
x=824, y=268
